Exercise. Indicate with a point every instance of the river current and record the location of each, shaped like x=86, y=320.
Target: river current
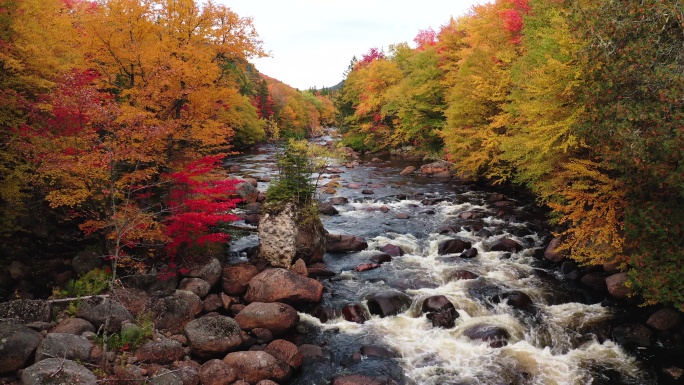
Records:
x=562, y=339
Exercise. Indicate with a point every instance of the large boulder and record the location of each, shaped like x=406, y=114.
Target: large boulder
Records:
x=246, y=191
x=388, y=303
x=63, y=345
x=338, y=243
x=217, y=372
x=285, y=351
x=26, y=310
x=235, y=278
x=440, y=311
x=506, y=244
x=438, y=167
x=209, y=271
x=57, y=371
x=453, y=246
x=665, y=319
x=76, y=326
x=255, y=366
x=617, y=285
x=17, y=344
x=552, y=254
x=171, y=313
x=286, y=236
x=495, y=335
x=104, y=312
x=276, y=317
x=195, y=285
x=280, y=285
x=208, y=336
x=162, y=351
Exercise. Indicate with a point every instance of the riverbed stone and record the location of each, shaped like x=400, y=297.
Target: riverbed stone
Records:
x=247, y=191
x=664, y=319
x=469, y=254
x=76, y=326
x=17, y=344
x=327, y=209
x=26, y=310
x=392, y=250
x=338, y=201
x=209, y=270
x=64, y=345
x=195, y=285
x=234, y=278
x=254, y=366
x=339, y=243
x=208, y=336
x=355, y=313
x=632, y=335
x=276, y=317
x=388, y=303
x=57, y=371
x=617, y=285
x=440, y=311
x=285, y=351
x=462, y=274
x=552, y=254
x=217, y=372
x=506, y=244
x=280, y=285
x=495, y=335
x=104, y=312
x=161, y=351
x=452, y=246
x=438, y=167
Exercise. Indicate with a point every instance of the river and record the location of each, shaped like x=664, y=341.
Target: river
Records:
x=562, y=338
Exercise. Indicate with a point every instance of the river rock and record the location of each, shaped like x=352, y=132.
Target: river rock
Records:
x=208, y=336
x=162, y=351
x=506, y=244
x=338, y=201
x=195, y=285
x=440, y=311
x=217, y=372
x=285, y=351
x=75, y=326
x=63, y=345
x=327, y=209
x=392, y=250
x=280, y=285
x=165, y=377
x=595, y=280
x=101, y=311
x=192, y=299
x=515, y=299
x=438, y=167
x=665, y=319
x=367, y=192
x=617, y=285
x=376, y=351
x=452, y=246
x=632, y=335
x=355, y=313
x=57, y=371
x=462, y=274
x=171, y=313
x=135, y=300
x=407, y=170
x=254, y=366
x=381, y=258
x=246, y=191
x=26, y=310
x=319, y=270
x=551, y=253
x=495, y=335
x=337, y=243
x=209, y=271
x=235, y=278
x=284, y=237
x=388, y=303
x=212, y=302
x=17, y=344
x=276, y=317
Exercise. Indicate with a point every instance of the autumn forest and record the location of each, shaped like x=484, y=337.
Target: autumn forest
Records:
x=115, y=116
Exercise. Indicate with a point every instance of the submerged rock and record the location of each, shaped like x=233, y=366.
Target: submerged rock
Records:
x=337, y=243
x=388, y=303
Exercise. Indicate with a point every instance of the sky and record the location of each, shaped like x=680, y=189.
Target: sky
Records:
x=311, y=42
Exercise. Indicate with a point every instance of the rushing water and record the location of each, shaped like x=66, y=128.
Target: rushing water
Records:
x=561, y=339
